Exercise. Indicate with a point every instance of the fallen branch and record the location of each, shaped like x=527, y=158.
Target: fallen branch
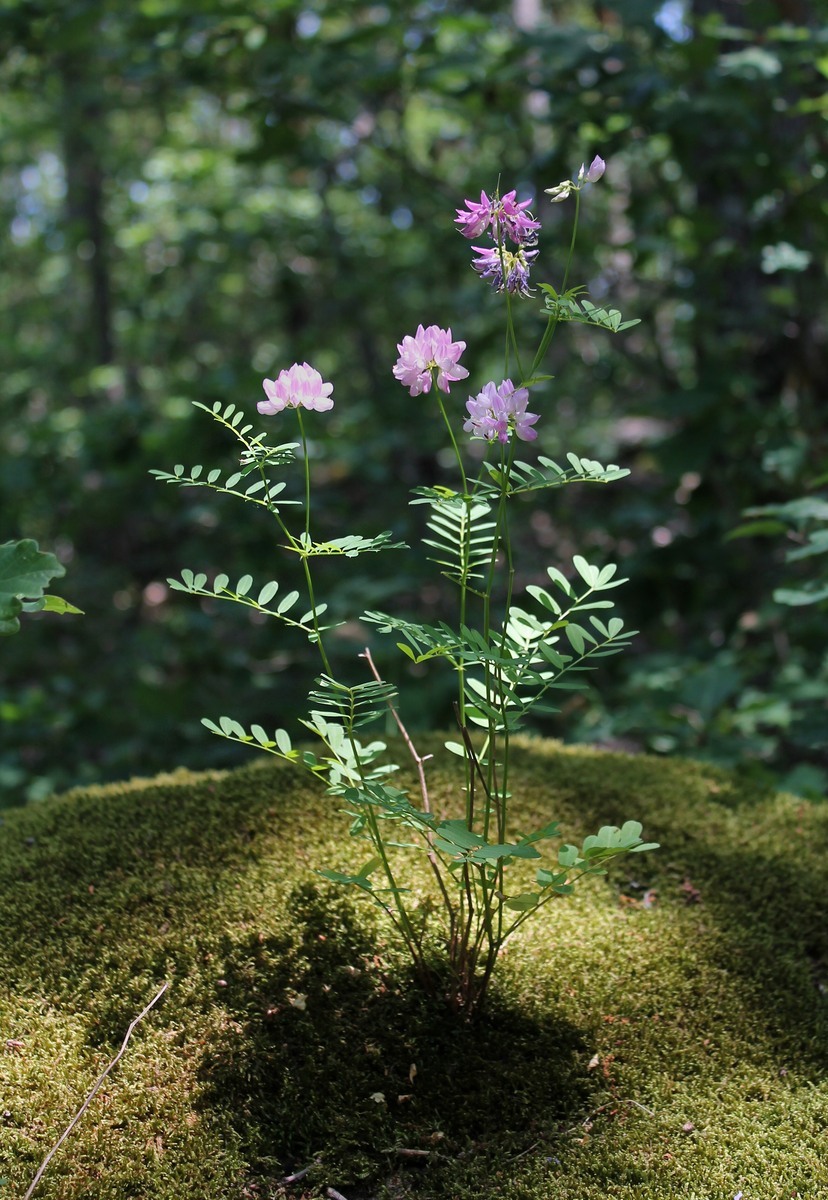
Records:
x=92, y=1094
x=286, y=1180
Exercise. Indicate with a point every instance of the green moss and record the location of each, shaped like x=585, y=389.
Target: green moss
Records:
x=672, y=1050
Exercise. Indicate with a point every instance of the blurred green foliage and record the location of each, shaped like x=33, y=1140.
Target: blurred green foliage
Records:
x=196, y=195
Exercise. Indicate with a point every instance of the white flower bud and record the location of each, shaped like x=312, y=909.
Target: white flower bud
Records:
x=559, y=193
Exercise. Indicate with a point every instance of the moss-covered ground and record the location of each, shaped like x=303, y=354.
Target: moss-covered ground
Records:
x=662, y=1034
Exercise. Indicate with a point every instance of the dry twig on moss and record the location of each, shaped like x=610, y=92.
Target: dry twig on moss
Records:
x=91, y=1096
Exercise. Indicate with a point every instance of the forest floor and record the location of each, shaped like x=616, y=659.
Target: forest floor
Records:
x=663, y=1033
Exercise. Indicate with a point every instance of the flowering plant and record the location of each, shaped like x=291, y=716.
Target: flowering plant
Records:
x=506, y=658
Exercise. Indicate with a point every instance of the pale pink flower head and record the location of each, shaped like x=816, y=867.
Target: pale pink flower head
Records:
x=428, y=351
x=497, y=411
x=299, y=387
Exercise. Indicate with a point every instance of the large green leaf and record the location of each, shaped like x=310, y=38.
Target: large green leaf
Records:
x=25, y=573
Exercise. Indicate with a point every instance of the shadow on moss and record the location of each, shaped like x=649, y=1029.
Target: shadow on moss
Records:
x=342, y=1062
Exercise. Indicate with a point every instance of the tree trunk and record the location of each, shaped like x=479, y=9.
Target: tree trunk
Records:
x=84, y=136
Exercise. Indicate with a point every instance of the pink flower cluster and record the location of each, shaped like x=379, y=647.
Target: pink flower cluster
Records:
x=504, y=218
x=300, y=387
x=496, y=411
x=430, y=350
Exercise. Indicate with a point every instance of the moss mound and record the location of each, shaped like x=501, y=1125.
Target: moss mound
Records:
x=660, y=1034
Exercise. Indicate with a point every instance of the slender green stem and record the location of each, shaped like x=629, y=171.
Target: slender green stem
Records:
x=306, y=465
x=471, y=764
x=307, y=546
x=501, y=538
x=496, y=792
x=511, y=337
x=551, y=326
x=524, y=916
x=500, y=793
x=572, y=241
x=454, y=445
x=436, y=861
x=464, y=593
x=412, y=941
x=484, y=927
x=552, y=323
x=271, y=506
x=315, y=616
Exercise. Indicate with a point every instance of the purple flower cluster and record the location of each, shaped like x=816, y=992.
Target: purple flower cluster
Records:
x=503, y=215
x=505, y=268
x=503, y=218
x=496, y=411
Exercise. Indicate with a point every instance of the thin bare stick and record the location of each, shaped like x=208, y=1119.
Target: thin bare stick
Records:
x=528, y=1150
x=295, y=1177
x=366, y=654
x=420, y=761
x=92, y=1094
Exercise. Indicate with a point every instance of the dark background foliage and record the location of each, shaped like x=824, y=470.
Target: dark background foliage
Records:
x=193, y=196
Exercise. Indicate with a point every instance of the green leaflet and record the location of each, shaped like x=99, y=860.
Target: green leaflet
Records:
x=351, y=546
x=572, y=306
x=525, y=477
x=352, y=706
x=463, y=536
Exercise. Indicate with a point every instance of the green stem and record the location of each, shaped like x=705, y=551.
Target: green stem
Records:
x=306, y=466
x=572, y=240
x=454, y=445
x=466, y=552
x=511, y=337
x=307, y=545
x=544, y=900
x=411, y=940
x=551, y=326
x=500, y=537
x=316, y=629
x=552, y=323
